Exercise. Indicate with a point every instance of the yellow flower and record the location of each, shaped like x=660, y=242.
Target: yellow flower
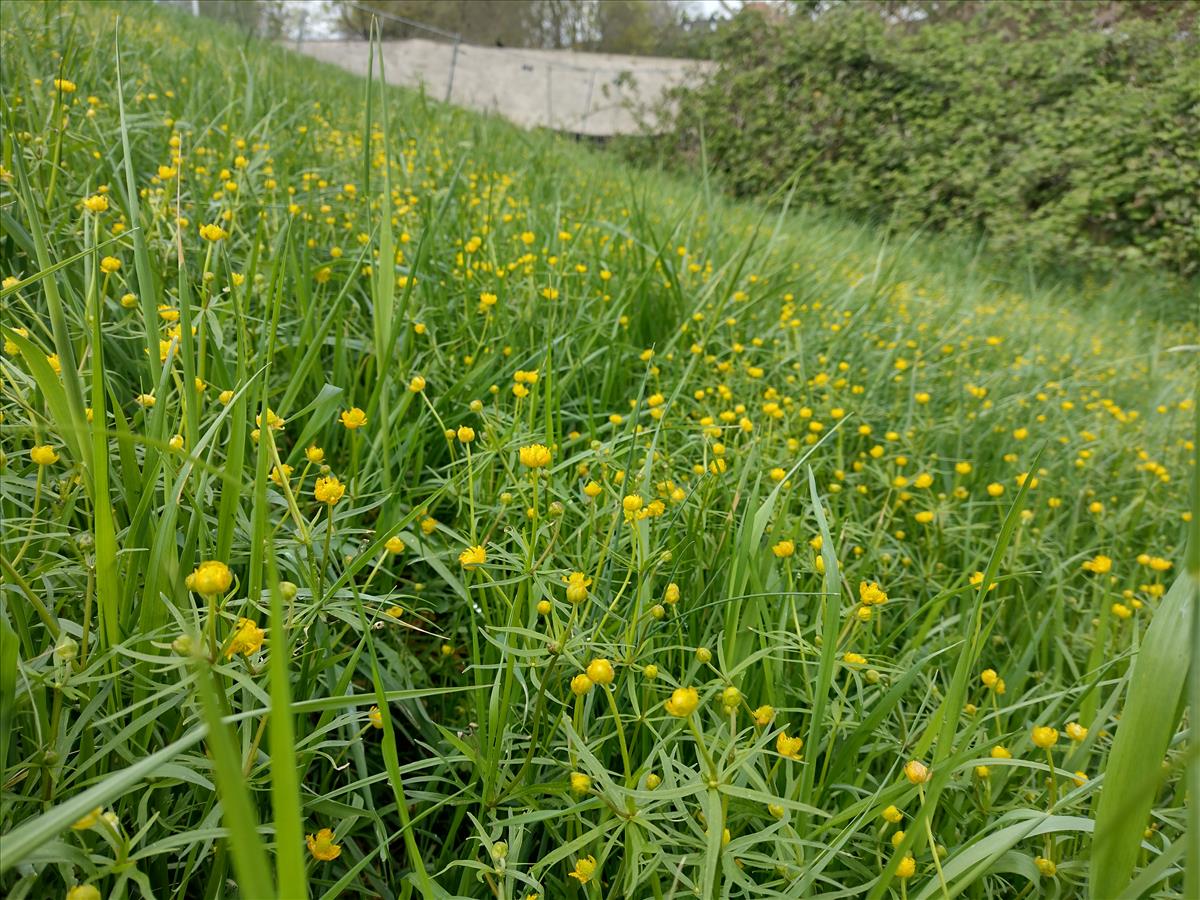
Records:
x=535, y=456
x=247, y=638
x=110, y=264
x=586, y=867
x=600, y=671
x=314, y=454
x=917, y=772
x=97, y=203
x=328, y=490
x=88, y=821
x=907, y=868
x=322, y=847
x=763, y=715
x=989, y=677
x=210, y=578
x=671, y=594
x=225, y=397
x=1098, y=565
x=83, y=892
x=375, y=717
x=465, y=434
x=354, y=418
x=893, y=815
x=784, y=549
x=1046, y=867
x=789, y=747
x=1044, y=736
x=871, y=594
x=213, y=233
x=43, y=455
x=631, y=503
x=592, y=489
x=580, y=783
x=683, y=702
x=577, y=586
x=62, y=84
x=995, y=489
x=145, y=400
x=394, y=544
x=416, y=384
x=472, y=557
x=580, y=685
x=1076, y=732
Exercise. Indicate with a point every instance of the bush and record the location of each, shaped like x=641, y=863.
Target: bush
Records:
x=1051, y=137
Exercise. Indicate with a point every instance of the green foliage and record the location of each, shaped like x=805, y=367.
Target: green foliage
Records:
x=1067, y=143
x=227, y=276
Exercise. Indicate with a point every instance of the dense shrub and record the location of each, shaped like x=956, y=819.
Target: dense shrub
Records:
x=1074, y=143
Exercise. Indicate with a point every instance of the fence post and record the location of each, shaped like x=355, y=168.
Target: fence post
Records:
x=587, y=106
x=453, y=64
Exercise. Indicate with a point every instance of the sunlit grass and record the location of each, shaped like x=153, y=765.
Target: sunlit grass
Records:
x=396, y=503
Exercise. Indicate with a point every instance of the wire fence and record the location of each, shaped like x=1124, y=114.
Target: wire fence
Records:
x=592, y=94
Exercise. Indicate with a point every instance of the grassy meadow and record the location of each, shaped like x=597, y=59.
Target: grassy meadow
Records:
x=398, y=504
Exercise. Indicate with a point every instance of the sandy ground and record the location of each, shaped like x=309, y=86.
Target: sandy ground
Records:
x=582, y=93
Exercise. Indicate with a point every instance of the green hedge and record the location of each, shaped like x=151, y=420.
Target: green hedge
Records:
x=1068, y=143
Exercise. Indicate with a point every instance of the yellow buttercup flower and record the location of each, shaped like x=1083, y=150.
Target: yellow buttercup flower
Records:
x=683, y=702
x=584, y=869
x=328, y=490
x=213, y=233
x=789, y=747
x=43, y=455
x=88, y=821
x=354, y=418
x=600, y=671
x=577, y=587
x=784, y=549
x=917, y=772
x=394, y=544
x=322, y=847
x=1098, y=565
x=84, y=892
x=97, y=203
x=1044, y=736
x=472, y=557
x=247, y=638
x=210, y=578
x=535, y=456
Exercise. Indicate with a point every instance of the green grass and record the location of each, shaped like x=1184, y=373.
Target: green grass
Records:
x=751, y=377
